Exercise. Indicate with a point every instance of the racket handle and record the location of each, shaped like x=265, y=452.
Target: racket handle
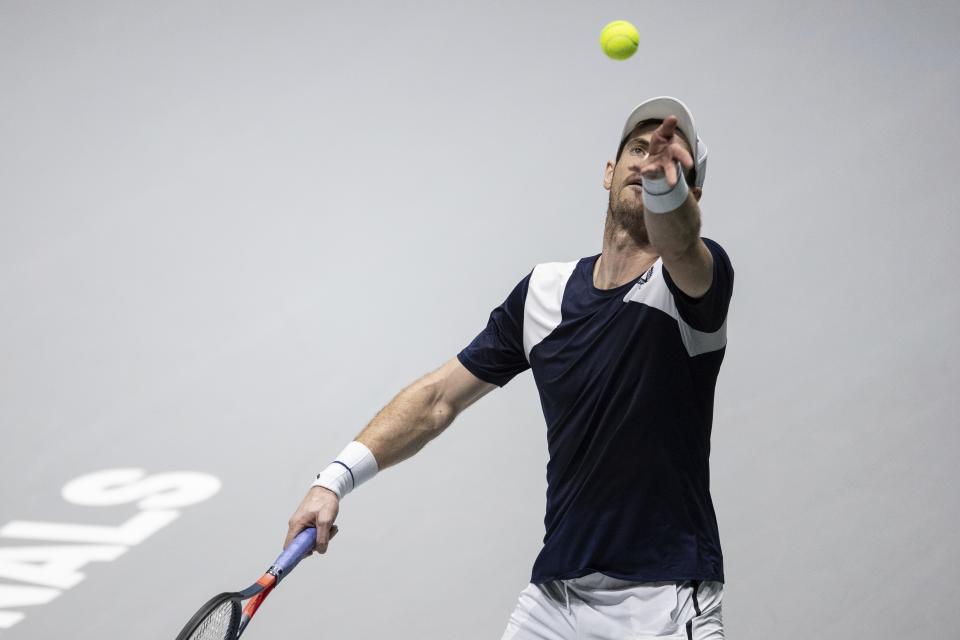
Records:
x=297, y=550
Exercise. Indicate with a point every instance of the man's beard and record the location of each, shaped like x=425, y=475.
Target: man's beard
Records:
x=628, y=216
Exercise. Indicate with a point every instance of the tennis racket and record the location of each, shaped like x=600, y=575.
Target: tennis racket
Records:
x=223, y=617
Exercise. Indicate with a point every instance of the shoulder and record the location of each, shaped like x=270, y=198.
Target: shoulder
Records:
x=550, y=275
x=717, y=250
x=560, y=268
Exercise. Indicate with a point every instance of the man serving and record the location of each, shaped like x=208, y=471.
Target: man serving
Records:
x=625, y=348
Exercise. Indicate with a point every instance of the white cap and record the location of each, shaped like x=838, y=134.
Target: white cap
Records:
x=658, y=109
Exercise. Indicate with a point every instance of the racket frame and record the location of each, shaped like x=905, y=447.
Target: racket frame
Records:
x=301, y=547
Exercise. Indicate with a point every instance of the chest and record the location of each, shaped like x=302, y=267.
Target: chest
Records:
x=595, y=341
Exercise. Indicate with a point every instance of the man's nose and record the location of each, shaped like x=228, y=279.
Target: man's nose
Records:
x=633, y=163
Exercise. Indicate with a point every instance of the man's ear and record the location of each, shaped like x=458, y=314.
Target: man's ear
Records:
x=697, y=192
x=608, y=175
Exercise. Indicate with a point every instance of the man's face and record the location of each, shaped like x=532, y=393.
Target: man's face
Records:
x=622, y=180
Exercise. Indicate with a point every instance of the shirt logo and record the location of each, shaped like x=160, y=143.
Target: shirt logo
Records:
x=645, y=278
x=635, y=289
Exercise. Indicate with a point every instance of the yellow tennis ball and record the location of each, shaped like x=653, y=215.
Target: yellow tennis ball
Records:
x=619, y=39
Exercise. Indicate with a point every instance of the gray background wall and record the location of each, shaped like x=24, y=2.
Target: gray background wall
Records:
x=229, y=226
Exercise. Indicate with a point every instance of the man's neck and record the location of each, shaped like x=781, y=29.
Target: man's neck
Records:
x=622, y=259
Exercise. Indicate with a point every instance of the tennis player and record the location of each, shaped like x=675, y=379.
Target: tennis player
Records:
x=625, y=347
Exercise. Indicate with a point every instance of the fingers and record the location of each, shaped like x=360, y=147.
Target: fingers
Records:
x=325, y=533
x=318, y=509
x=664, y=142
x=667, y=127
x=653, y=170
x=670, y=171
x=662, y=168
x=663, y=135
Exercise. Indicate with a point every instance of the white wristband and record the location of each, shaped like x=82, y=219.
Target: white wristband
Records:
x=354, y=466
x=659, y=197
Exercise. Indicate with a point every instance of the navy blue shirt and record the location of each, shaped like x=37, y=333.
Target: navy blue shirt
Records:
x=626, y=379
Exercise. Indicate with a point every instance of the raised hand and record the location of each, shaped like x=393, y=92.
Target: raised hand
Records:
x=666, y=149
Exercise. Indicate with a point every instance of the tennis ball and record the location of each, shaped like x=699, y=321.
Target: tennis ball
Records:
x=619, y=39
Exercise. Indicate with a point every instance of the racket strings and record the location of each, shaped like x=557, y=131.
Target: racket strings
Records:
x=219, y=624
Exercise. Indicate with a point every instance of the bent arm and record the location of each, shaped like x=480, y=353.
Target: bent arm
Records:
x=421, y=412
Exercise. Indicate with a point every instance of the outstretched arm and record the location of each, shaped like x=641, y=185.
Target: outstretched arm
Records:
x=675, y=235
x=415, y=416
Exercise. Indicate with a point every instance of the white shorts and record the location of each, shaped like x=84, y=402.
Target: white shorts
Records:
x=598, y=607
